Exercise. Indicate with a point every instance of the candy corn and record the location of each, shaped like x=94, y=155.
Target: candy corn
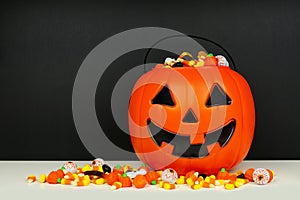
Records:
x=31, y=178
x=116, y=185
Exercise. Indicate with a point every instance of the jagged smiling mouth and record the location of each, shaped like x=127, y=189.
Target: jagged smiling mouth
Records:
x=181, y=144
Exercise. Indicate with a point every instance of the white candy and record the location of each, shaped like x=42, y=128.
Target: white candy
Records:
x=261, y=176
x=222, y=60
x=169, y=175
x=169, y=61
x=98, y=162
x=71, y=167
x=135, y=173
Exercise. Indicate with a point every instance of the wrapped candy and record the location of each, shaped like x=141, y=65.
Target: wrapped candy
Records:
x=70, y=167
x=262, y=176
x=169, y=175
x=98, y=162
x=222, y=60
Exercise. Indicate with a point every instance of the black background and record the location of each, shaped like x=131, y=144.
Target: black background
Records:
x=42, y=45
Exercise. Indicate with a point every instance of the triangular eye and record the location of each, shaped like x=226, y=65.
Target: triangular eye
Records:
x=190, y=117
x=163, y=97
x=218, y=97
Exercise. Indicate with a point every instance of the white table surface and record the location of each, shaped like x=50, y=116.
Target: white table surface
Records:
x=13, y=184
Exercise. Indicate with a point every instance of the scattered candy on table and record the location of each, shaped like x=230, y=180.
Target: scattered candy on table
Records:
x=99, y=174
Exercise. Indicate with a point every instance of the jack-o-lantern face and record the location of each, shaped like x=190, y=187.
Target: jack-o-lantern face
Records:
x=191, y=118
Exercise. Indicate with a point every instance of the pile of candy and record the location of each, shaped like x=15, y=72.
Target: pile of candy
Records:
x=203, y=59
x=99, y=173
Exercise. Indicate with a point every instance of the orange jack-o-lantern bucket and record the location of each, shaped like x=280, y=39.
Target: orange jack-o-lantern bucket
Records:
x=190, y=117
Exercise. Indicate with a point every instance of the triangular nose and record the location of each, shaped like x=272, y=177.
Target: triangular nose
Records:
x=190, y=117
